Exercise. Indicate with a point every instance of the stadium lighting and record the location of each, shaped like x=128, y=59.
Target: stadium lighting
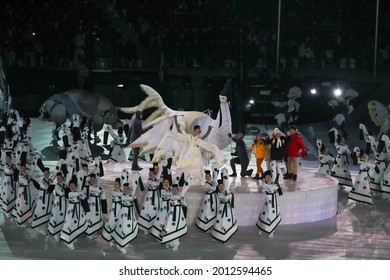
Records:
x=313, y=91
x=337, y=92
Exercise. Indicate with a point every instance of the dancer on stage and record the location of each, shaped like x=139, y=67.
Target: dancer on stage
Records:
x=325, y=158
x=84, y=151
x=151, y=203
x=187, y=150
x=176, y=225
x=269, y=217
x=8, y=187
x=360, y=191
x=75, y=222
x=161, y=218
x=225, y=225
x=385, y=183
x=340, y=169
x=97, y=202
x=44, y=203
x=57, y=216
x=22, y=211
x=377, y=172
x=208, y=210
x=117, y=151
x=113, y=217
x=126, y=229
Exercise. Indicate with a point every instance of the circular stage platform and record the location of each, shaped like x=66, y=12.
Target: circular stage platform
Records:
x=311, y=198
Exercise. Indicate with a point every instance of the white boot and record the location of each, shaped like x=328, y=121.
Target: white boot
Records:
x=259, y=232
x=271, y=235
x=112, y=244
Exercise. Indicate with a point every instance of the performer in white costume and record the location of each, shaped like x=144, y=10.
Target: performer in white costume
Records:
x=126, y=229
x=84, y=151
x=117, y=151
x=187, y=151
x=161, y=218
x=269, y=217
x=340, y=169
x=151, y=203
x=360, y=191
x=75, y=222
x=176, y=225
x=44, y=203
x=97, y=202
x=325, y=158
x=22, y=211
x=225, y=225
x=385, y=183
x=113, y=217
x=57, y=216
x=208, y=210
x=8, y=184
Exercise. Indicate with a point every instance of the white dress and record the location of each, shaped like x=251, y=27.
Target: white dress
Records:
x=44, y=204
x=151, y=205
x=325, y=164
x=340, y=169
x=113, y=217
x=117, y=152
x=126, y=229
x=57, y=216
x=225, y=225
x=269, y=216
x=385, y=183
x=75, y=222
x=24, y=201
x=176, y=224
x=84, y=150
x=162, y=215
x=8, y=190
x=98, y=205
x=208, y=210
x=360, y=191
x=377, y=172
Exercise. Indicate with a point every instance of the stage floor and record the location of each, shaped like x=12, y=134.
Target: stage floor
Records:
x=354, y=233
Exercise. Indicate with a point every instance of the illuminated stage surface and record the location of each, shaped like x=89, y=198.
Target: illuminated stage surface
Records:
x=318, y=222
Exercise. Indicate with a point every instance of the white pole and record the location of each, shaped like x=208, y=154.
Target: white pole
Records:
x=376, y=37
x=278, y=38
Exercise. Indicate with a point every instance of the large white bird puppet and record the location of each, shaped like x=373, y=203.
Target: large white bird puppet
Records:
x=164, y=119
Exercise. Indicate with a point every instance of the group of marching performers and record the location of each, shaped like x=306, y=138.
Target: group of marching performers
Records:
x=70, y=200
x=373, y=178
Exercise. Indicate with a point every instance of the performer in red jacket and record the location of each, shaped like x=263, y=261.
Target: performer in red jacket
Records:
x=294, y=144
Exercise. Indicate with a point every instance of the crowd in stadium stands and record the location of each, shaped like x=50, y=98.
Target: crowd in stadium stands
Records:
x=193, y=33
